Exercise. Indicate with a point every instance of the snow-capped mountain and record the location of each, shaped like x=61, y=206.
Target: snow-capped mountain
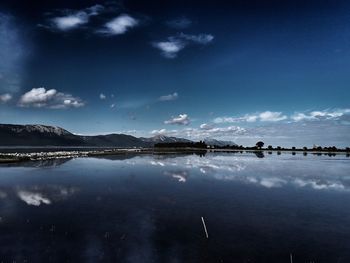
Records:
x=163, y=139
x=38, y=128
x=37, y=135
x=43, y=135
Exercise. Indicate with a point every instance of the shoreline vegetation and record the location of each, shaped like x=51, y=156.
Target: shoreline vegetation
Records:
x=38, y=154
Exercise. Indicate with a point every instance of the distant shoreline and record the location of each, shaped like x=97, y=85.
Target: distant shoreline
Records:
x=31, y=154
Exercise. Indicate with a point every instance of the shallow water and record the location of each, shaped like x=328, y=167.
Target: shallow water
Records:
x=149, y=208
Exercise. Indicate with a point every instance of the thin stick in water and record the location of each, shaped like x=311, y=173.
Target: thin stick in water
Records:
x=205, y=227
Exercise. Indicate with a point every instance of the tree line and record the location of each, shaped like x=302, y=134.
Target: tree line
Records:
x=258, y=146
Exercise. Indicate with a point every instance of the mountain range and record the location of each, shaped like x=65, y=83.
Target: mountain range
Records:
x=43, y=135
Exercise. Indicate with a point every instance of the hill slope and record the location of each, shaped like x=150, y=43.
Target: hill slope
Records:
x=42, y=135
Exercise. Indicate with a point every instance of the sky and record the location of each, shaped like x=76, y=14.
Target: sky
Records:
x=277, y=71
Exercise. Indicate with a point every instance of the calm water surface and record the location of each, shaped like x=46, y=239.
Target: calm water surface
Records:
x=149, y=208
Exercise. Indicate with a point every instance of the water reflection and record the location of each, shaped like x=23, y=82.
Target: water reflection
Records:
x=181, y=176
x=38, y=163
x=39, y=194
x=33, y=198
x=269, y=172
x=148, y=208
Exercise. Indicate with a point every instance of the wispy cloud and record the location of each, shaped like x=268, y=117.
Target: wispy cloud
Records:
x=161, y=132
x=203, y=132
x=179, y=23
x=320, y=115
x=169, y=97
x=268, y=116
x=272, y=116
x=42, y=98
x=182, y=119
x=4, y=98
x=69, y=22
x=206, y=126
x=102, y=96
x=245, y=118
x=174, y=44
x=202, y=39
x=119, y=25
x=170, y=48
x=72, y=19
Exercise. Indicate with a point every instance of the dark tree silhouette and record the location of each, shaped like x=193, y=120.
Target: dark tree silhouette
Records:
x=259, y=154
x=259, y=144
x=199, y=144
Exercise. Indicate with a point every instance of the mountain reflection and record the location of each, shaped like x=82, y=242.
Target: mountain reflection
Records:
x=39, y=163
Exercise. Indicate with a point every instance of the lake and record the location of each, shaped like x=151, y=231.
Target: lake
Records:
x=148, y=208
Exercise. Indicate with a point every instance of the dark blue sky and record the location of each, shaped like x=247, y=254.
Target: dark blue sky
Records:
x=243, y=70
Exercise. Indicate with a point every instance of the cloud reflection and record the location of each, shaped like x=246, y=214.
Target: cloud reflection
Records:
x=271, y=172
x=33, y=198
x=180, y=176
x=39, y=195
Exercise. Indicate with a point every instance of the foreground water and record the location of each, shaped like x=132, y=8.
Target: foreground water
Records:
x=149, y=209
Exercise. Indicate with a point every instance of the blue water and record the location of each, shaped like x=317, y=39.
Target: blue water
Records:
x=149, y=208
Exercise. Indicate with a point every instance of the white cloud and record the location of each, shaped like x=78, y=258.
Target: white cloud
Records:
x=272, y=116
x=206, y=126
x=201, y=133
x=301, y=116
x=170, y=48
x=73, y=19
x=245, y=118
x=179, y=23
x=112, y=105
x=40, y=97
x=320, y=115
x=159, y=132
x=182, y=119
x=119, y=25
x=69, y=22
x=175, y=44
x=216, y=132
x=169, y=97
x=95, y=10
x=102, y=96
x=263, y=116
x=5, y=98
x=199, y=39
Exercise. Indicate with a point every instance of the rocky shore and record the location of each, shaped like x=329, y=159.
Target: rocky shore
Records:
x=39, y=156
